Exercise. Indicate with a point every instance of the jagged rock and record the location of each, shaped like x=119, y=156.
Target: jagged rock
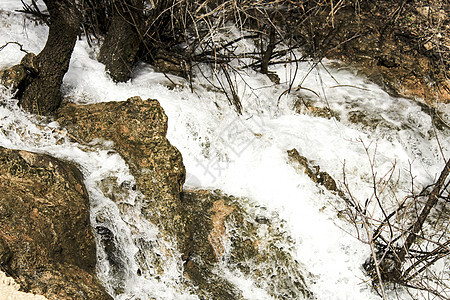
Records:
x=46, y=243
x=15, y=76
x=138, y=129
x=313, y=171
x=205, y=246
x=229, y=230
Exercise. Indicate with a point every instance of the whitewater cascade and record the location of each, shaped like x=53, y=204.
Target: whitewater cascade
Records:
x=245, y=156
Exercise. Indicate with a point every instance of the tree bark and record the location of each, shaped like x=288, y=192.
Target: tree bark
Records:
x=123, y=40
x=267, y=53
x=42, y=94
x=431, y=202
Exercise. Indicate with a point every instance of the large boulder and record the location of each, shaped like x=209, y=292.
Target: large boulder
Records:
x=138, y=129
x=46, y=242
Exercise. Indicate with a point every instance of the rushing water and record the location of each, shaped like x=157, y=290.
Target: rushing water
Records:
x=242, y=155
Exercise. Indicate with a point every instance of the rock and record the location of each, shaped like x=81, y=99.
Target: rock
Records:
x=273, y=77
x=307, y=106
x=205, y=224
x=313, y=171
x=403, y=54
x=369, y=121
x=138, y=129
x=15, y=76
x=46, y=242
x=172, y=63
x=10, y=290
x=228, y=230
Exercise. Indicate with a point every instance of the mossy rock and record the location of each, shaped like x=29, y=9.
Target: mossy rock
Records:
x=46, y=241
x=138, y=129
x=231, y=232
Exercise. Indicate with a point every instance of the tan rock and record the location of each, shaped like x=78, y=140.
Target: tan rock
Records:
x=224, y=228
x=138, y=129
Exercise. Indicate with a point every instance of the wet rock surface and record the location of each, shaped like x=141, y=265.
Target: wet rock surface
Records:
x=229, y=232
x=214, y=232
x=138, y=129
x=313, y=171
x=309, y=107
x=16, y=76
x=46, y=242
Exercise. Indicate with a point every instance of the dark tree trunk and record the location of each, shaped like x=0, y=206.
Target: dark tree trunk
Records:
x=42, y=93
x=123, y=40
x=267, y=53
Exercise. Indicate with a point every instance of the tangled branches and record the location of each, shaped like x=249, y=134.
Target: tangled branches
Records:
x=181, y=36
x=408, y=236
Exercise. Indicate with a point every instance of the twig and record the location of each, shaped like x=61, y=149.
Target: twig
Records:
x=20, y=45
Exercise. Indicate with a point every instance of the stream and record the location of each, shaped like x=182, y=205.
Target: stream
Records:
x=354, y=122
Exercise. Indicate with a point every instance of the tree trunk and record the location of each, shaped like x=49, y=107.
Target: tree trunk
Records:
x=267, y=53
x=42, y=94
x=431, y=202
x=123, y=40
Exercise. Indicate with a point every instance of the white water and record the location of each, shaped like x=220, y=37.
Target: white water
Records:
x=243, y=156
